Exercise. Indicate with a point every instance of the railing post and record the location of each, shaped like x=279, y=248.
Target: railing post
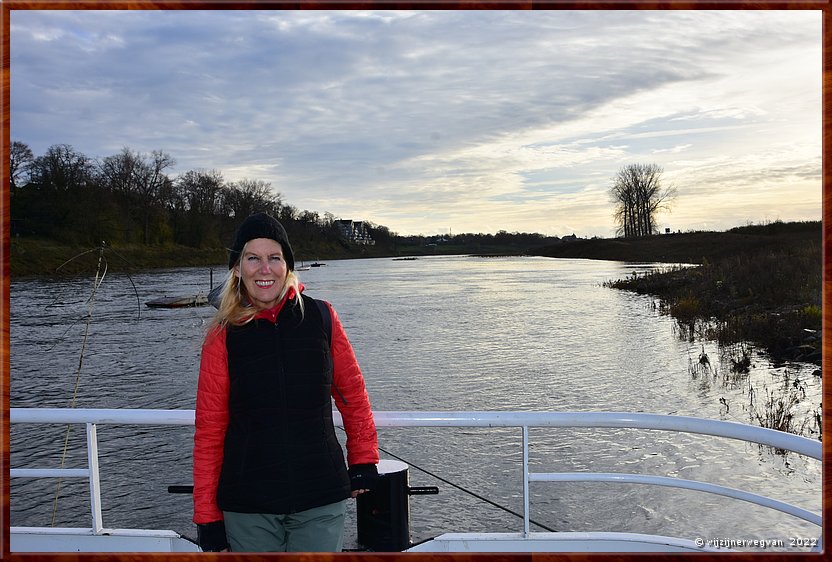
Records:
x=526, y=481
x=95, y=482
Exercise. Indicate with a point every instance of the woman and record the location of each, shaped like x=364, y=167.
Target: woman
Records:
x=269, y=473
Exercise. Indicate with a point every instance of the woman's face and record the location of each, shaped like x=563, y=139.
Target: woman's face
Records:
x=263, y=271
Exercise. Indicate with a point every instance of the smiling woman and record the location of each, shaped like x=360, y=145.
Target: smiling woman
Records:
x=269, y=472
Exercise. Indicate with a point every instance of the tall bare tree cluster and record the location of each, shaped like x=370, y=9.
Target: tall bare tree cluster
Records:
x=131, y=197
x=638, y=194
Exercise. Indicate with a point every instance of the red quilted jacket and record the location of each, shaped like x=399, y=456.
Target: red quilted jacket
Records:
x=212, y=411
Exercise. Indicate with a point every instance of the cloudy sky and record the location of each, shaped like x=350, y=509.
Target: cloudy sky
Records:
x=430, y=121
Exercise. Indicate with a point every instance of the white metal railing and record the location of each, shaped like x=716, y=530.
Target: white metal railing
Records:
x=523, y=420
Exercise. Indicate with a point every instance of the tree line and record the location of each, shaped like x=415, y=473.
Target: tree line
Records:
x=132, y=198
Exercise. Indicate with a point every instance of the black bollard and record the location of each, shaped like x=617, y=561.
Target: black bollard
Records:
x=384, y=512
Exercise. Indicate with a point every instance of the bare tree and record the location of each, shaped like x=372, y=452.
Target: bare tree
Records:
x=120, y=172
x=61, y=169
x=153, y=175
x=203, y=193
x=20, y=163
x=202, y=190
x=151, y=185
x=638, y=194
x=140, y=179
x=246, y=196
x=61, y=194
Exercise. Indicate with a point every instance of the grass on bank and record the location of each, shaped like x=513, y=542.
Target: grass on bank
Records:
x=39, y=257
x=690, y=247
x=769, y=294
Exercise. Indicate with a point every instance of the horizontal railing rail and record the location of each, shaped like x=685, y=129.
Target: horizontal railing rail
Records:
x=673, y=482
x=524, y=420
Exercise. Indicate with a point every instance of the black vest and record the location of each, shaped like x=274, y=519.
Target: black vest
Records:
x=281, y=454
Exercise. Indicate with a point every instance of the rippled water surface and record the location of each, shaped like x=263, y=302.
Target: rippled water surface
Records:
x=439, y=333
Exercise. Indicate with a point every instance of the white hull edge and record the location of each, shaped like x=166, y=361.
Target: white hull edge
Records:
x=48, y=539
x=557, y=542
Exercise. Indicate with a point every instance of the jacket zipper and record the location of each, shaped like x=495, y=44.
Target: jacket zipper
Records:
x=284, y=421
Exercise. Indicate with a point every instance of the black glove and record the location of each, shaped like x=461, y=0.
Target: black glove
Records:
x=211, y=536
x=363, y=476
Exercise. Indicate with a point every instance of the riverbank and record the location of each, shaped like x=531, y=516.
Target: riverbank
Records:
x=33, y=257
x=763, y=286
x=43, y=257
x=691, y=247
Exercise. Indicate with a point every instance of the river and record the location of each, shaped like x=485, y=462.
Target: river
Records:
x=436, y=333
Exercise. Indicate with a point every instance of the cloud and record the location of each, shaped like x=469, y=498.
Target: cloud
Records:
x=673, y=149
x=423, y=118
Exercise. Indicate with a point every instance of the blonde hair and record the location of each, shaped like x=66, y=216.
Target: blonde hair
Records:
x=234, y=307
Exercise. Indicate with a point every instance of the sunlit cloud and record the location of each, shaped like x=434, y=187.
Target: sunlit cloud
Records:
x=429, y=121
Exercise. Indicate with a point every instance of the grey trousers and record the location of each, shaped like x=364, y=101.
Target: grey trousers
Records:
x=320, y=529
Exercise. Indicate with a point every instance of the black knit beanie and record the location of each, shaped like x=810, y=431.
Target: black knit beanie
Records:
x=261, y=225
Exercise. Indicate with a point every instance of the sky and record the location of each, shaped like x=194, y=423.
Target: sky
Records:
x=435, y=122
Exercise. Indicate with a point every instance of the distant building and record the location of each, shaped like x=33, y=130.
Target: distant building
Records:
x=569, y=238
x=355, y=232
